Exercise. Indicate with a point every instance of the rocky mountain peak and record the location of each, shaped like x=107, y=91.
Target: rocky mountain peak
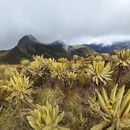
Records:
x=27, y=39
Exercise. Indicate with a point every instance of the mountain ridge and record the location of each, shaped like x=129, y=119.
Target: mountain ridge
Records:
x=100, y=48
x=29, y=46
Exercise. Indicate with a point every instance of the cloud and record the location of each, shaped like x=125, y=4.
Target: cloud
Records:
x=104, y=40
x=67, y=20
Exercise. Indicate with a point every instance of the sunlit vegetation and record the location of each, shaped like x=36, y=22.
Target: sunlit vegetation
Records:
x=82, y=93
x=114, y=110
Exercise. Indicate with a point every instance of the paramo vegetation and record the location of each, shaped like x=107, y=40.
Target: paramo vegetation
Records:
x=84, y=93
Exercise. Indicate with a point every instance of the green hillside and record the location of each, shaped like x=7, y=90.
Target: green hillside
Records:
x=29, y=46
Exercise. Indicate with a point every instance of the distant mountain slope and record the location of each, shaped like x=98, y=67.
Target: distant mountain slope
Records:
x=110, y=48
x=29, y=46
x=80, y=50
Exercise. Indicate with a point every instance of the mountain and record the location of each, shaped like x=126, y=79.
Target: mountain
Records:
x=81, y=50
x=29, y=46
x=110, y=48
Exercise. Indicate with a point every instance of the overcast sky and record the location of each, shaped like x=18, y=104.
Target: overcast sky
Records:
x=72, y=21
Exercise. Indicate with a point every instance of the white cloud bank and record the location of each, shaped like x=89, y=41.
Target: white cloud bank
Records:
x=105, y=40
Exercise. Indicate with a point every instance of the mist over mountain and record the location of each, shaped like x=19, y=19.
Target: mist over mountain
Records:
x=29, y=46
x=105, y=44
x=101, y=48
